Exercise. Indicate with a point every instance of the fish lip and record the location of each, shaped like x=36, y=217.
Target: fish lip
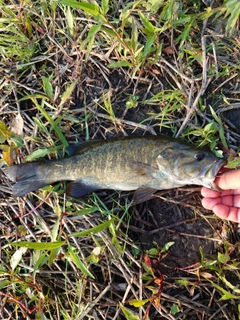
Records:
x=218, y=165
x=212, y=170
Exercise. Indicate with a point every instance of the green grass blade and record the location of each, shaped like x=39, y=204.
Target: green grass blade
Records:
x=93, y=230
x=75, y=258
x=52, y=122
x=39, y=245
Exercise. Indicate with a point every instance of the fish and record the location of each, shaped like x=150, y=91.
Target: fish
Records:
x=141, y=163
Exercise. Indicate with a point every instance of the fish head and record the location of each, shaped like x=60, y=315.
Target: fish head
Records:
x=188, y=165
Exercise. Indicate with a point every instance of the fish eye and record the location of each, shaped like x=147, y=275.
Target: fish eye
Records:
x=199, y=156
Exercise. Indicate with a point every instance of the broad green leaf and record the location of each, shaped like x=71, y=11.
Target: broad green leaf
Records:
x=75, y=258
x=228, y=284
x=174, y=309
x=89, y=8
x=39, y=245
x=223, y=258
x=148, y=269
x=216, y=118
x=183, y=282
x=153, y=252
x=105, y=6
x=93, y=230
x=4, y=283
x=147, y=278
x=138, y=303
x=112, y=33
x=233, y=164
x=226, y=295
x=39, y=153
x=18, y=142
x=167, y=246
x=130, y=315
x=92, y=258
x=43, y=258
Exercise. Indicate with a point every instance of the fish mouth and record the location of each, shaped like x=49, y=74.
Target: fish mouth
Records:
x=212, y=170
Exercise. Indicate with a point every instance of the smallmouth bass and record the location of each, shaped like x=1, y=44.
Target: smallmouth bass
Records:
x=145, y=164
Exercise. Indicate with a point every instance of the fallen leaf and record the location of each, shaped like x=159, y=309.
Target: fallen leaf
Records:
x=7, y=155
x=5, y=133
x=17, y=125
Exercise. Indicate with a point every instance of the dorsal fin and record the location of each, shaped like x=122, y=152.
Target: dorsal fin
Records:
x=80, y=147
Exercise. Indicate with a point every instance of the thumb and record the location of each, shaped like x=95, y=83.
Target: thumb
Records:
x=229, y=180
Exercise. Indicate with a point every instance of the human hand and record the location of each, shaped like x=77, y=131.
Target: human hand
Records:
x=225, y=204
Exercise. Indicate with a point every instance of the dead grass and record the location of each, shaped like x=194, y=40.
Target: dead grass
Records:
x=132, y=68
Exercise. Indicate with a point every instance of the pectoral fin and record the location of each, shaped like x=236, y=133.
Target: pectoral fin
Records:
x=143, y=194
x=77, y=189
x=144, y=169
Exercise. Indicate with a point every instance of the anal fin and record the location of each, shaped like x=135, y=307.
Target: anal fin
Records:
x=77, y=189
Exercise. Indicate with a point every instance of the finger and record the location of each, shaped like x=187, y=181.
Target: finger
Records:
x=236, y=201
x=227, y=192
x=208, y=193
x=227, y=213
x=229, y=180
x=230, y=200
x=209, y=203
x=236, y=191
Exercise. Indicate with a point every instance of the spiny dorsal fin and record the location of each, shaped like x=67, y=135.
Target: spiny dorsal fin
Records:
x=80, y=147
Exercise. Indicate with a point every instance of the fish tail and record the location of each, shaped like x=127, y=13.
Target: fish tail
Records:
x=28, y=177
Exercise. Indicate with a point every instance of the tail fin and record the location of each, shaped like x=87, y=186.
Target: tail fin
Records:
x=27, y=178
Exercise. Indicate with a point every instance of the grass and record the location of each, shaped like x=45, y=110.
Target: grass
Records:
x=72, y=71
